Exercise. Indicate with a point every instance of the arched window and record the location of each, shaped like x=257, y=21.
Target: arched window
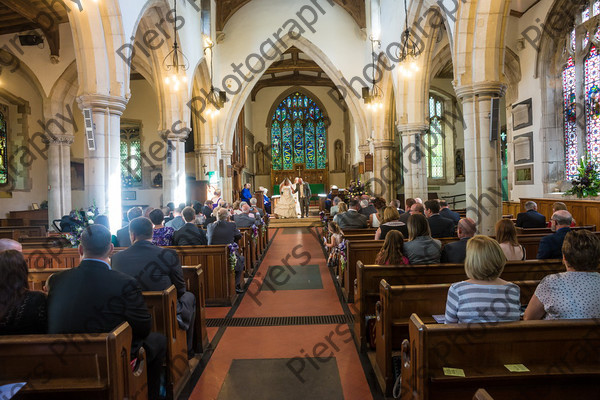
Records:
x=435, y=139
x=298, y=134
x=3, y=145
x=583, y=59
x=131, y=154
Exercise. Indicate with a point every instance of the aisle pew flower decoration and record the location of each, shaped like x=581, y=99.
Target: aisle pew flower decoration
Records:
x=233, y=248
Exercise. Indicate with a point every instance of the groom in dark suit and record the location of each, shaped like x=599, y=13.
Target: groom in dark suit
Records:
x=304, y=193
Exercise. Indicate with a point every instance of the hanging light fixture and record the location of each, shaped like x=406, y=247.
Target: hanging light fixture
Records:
x=373, y=98
x=175, y=63
x=215, y=100
x=409, y=50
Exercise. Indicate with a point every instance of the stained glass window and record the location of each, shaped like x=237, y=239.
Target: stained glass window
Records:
x=131, y=155
x=298, y=134
x=570, y=118
x=596, y=7
x=3, y=148
x=435, y=140
x=592, y=80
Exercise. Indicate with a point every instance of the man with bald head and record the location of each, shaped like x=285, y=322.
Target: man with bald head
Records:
x=246, y=219
x=455, y=252
x=9, y=244
x=551, y=245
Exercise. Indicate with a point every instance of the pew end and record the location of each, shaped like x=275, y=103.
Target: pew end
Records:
x=194, y=281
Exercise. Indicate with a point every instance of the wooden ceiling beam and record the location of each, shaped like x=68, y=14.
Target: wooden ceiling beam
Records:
x=31, y=13
x=296, y=79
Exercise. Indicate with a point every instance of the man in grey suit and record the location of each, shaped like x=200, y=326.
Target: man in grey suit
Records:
x=352, y=219
x=304, y=193
x=245, y=220
x=123, y=233
x=223, y=231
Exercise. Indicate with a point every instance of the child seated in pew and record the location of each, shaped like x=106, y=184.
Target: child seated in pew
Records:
x=22, y=311
x=484, y=297
x=574, y=294
x=392, y=251
x=333, y=245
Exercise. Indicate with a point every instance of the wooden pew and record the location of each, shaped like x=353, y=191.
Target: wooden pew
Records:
x=369, y=277
x=548, y=231
x=482, y=394
x=16, y=232
x=394, y=309
x=219, y=279
x=163, y=308
x=561, y=356
x=75, y=366
x=44, y=242
x=248, y=246
x=194, y=283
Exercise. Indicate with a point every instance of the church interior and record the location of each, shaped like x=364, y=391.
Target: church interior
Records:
x=489, y=108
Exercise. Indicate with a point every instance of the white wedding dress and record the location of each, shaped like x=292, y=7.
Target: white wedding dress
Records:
x=286, y=206
x=297, y=200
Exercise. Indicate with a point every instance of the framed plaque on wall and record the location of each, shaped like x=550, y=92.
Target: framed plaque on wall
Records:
x=369, y=162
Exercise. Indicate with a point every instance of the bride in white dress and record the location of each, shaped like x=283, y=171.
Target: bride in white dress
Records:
x=286, y=206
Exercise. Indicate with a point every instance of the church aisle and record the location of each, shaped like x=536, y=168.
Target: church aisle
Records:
x=291, y=338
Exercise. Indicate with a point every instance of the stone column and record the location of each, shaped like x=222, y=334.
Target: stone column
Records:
x=103, y=165
x=206, y=155
x=59, y=175
x=386, y=173
x=226, y=182
x=482, y=157
x=414, y=163
x=174, y=177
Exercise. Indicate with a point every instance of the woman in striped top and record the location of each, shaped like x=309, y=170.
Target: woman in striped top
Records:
x=484, y=297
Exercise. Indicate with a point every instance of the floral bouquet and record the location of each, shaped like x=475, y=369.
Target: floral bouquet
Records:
x=343, y=258
x=233, y=248
x=83, y=219
x=254, y=232
x=587, y=181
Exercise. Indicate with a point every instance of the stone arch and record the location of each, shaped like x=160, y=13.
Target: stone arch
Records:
x=20, y=67
x=310, y=49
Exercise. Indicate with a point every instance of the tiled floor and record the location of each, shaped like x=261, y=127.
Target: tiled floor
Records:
x=285, y=362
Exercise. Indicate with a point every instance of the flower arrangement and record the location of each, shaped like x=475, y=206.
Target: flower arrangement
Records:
x=587, y=181
x=254, y=232
x=233, y=248
x=343, y=258
x=358, y=188
x=82, y=219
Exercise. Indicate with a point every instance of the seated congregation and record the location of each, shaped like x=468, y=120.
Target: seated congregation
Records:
x=132, y=285
x=417, y=272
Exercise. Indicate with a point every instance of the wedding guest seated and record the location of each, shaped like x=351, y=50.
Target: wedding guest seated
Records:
x=216, y=198
x=409, y=203
x=397, y=205
x=207, y=211
x=484, y=297
x=559, y=205
x=266, y=200
x=367, y=208
x=163, y=235
x=421, y=248
x=22, y=312
x=225, y=232
x=391, y=222
x=574, y=294
x=342, y=208
x=236, y=207
x=156, y=269
x=446, y=212
x=455, y=252
x=9, y=244
x=177, y=222
x=352, y=219
x=531, y=218
x=189, y=234
x=506, y=236
x=440, y=227
x=167, y=210
x=93, y=298
x=551, y=245
x=123, y=233
x=244, y=219
x=392, y=251
x=148, y=210
x=376, y=218
x=335, y=206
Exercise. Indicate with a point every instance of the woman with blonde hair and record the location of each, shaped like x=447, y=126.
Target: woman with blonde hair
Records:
x=336, y=236
x=342, y=208
x=484, y=297
x=392, y=252
x=506, y=236
x=390, y=222
x=421, y=248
